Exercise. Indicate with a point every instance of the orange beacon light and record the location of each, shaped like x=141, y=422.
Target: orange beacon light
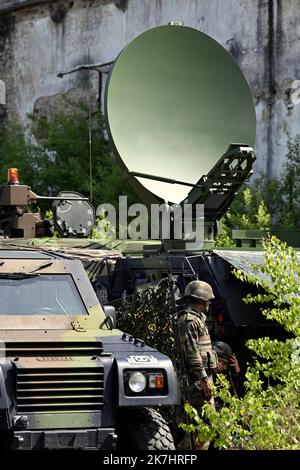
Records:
x=13, y=176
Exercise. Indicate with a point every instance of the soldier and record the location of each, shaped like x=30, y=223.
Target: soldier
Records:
x=226, y=358
x=199, y=359
x=228, y=365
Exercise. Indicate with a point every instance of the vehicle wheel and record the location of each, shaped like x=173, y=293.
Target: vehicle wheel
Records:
x=143, y=429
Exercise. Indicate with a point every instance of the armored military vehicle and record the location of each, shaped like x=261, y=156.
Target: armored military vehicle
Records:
x=68, y=377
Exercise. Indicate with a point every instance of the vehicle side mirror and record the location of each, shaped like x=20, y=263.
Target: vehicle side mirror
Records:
x=111, y=316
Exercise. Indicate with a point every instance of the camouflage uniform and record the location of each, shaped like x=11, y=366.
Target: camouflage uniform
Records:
x=198, y=355
x=199, y=362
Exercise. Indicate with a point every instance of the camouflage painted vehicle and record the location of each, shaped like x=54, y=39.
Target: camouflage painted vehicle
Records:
x=68, y=377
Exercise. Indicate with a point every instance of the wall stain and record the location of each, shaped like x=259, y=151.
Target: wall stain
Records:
x=59, y=11
x=271, y=85
x=121, y=4
x=7, y=24
x=235, y=49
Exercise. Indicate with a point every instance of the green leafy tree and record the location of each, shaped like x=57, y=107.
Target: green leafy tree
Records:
x=271, y=192
x=58, y=158
x=290, y=184
x=248, y=211
x=18, y=151
x=268, y=415
x=65, y=166
x=270, y=202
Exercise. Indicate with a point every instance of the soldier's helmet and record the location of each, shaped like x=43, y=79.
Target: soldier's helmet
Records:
x=223, y=350
x=199, y=290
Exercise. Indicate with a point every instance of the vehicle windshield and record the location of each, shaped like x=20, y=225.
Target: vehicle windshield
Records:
x=40, y=295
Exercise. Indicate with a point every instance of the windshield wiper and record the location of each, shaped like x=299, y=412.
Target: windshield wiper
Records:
x=24, y=275
x=17, y=276
x=42, y=266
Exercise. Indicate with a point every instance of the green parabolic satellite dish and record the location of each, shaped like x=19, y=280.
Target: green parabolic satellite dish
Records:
x=175, y=100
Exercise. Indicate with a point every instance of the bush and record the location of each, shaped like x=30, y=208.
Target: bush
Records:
x=148, y=315
x=268, y=415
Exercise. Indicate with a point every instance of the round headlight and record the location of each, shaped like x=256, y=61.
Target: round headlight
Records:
x=137, y=382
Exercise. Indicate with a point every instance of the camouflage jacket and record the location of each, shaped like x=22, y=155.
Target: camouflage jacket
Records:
x=195, y=342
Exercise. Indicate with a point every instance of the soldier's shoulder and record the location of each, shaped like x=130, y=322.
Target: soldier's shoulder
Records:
x=188, y=315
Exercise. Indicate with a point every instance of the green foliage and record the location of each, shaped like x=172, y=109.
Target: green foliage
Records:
x=279, y=277
x=290, y=184
x=148, y=315
x=102, y=229
x=268, y=415
x=59, y=159
x=271, y=193
x=248, y=211
x=270, y=202
x=65, y=141
x=18, y=151
x=263, y=217
x=224, y=239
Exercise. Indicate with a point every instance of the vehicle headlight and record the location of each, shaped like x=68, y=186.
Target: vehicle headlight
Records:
x=137, y=382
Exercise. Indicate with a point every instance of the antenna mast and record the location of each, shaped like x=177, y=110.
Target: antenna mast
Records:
x=90, y=128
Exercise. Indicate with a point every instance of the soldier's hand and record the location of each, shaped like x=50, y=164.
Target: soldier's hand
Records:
x=234, y=363
x=206, y=387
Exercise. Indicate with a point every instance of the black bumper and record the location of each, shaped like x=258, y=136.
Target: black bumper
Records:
x=103, y=439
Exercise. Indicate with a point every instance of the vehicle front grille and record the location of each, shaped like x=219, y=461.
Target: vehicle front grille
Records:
x=60, y=389
x=51, y=348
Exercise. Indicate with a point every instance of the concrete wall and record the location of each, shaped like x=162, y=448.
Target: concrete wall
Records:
x=38, y=39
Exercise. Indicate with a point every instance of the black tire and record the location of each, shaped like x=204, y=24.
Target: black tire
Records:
x=143, y=429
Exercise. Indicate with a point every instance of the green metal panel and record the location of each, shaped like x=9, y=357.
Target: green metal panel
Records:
x=255, y=237
x=175, y=100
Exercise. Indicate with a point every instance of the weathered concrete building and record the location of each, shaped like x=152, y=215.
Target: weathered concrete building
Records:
x=39, y=39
